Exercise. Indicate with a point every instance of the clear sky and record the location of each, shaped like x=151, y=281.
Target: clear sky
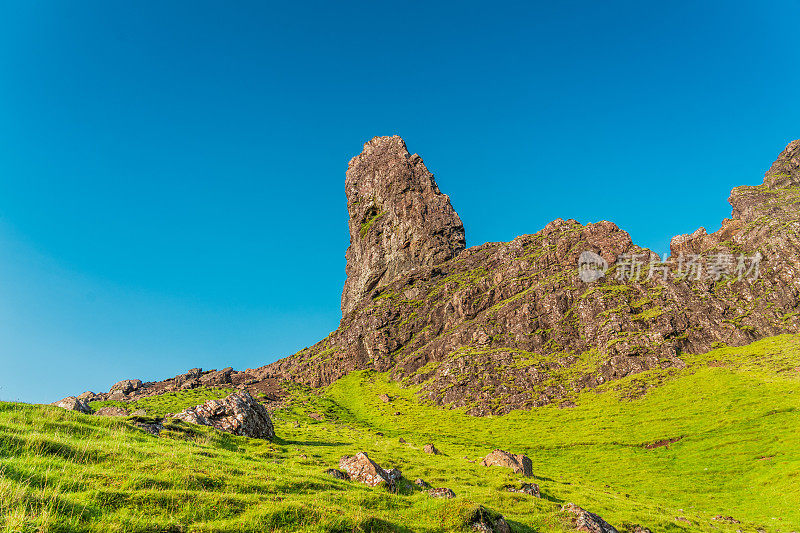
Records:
x=172, y=173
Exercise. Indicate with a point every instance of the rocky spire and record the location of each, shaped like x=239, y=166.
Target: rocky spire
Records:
x=399, y=220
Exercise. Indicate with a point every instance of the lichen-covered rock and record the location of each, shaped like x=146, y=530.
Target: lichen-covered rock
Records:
x=361, y=468
x=421, y=483
x=71, y=403
x=399, y=220
x=520, y=464
x=239, y=414
x=111, y=410
x=583, y=520
x=441, y=492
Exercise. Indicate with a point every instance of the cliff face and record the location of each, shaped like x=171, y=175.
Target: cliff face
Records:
x=399, y=220
x=514, y=325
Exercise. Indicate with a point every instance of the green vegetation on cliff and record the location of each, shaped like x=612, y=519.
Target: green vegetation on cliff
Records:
x=665, y=449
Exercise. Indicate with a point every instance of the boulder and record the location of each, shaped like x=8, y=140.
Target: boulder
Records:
x=363, y=469
x=424, y=485
x=441, y=492
x=71, y=403
x=583, y=520
x=111, y=410
x=520, y=464
x=87, y=396
x=385, y=398
x=126, y=386
x=431, y=449
x=239, y=414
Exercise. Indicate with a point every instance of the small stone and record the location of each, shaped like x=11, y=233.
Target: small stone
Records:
x=111, y=410
x=424, y=485
x=431, y=449
x=531, y=489
x=338, y=474
x=441, y=492
x=385, y=398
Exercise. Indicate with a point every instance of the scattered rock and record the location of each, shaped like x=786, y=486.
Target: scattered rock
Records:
x=640, y=529
x=531, y=489
x=239, y=414
x=728, y=519
x=363, y=469
x=316, y=416
x=126, y=386
x=424, y=485
x=431, y=449
x=441, y=492
x=338, y=474
x=111, y=410
x=385, y=398
x=520, y=464
x=71, y=403
x=397, y=413
x=583, y=520
x=401, y=440
x=117, y=396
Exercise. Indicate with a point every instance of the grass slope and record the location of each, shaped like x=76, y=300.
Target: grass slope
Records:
x=735, y=412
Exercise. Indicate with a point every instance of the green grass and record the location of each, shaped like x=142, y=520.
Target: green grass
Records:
x=735, y=411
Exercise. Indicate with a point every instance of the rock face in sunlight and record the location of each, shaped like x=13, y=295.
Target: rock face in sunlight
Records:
x=399, y=220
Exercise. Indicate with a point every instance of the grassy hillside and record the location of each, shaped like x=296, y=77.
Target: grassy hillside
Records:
x=733, y=414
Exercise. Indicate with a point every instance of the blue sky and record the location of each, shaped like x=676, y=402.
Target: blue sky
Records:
x=172, y=173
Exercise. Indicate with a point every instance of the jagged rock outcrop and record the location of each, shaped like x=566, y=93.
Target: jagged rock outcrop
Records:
x=239, y=414
x=399, y=220
x=503, y=326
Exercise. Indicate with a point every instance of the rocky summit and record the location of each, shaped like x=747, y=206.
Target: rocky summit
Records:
x=503, y=326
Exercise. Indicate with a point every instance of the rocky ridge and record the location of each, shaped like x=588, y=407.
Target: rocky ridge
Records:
x=503, y=326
